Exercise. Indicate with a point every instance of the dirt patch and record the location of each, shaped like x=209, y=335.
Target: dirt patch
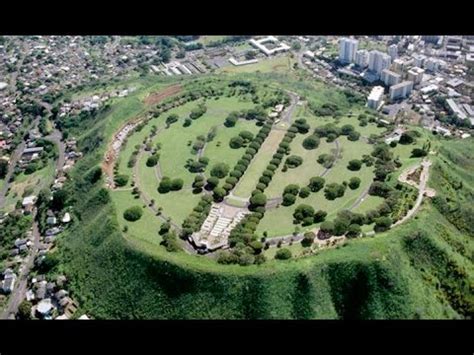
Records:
x=156, y=97
x=111, y=154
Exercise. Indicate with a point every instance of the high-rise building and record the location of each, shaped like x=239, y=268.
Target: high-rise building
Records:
x=419, y=59
x=347, y=50
x=393, y=51
x=362, y=58
x=390, y=78
x=401, y=90
x=379, y=61
x=375, y=98
x=415, y=74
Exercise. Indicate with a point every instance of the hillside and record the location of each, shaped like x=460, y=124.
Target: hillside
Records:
x=422, y=269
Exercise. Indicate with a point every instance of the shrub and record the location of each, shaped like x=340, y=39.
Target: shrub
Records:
x=327, y=227
x=291, y=189
x=165, y=185
x=353, y=136
x=236, y=142
x=354, y=165
x=231, y=180
x=219, y=193
x=220, y=170
x=308, y=239
x=303, y=211
x=152, y=160
x=212, y=182
x=260, y=186
x=354, y=230
x=259, y=199
x=304, y=192
x=121, y=180
x=133, y=214
x=382, y=224
x=246, y=136
x=236, y=173
x=316, y=183
x=171, y=119
x=271, y=167
x=283, y=254
x=176, y=184
x=334, y=190
x=320, y=216
x=288, y=199
x=418, y=153
x=354, y=183
x=311, y=142
x=293, y=161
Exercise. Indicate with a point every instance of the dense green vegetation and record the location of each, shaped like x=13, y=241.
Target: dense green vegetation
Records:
x=396, y=274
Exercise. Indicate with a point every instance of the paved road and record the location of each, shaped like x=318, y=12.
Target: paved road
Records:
x=361, y=199
x=19, y=291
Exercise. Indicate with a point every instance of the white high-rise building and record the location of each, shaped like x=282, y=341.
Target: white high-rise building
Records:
x=390, y=78
x=347, y=50
x=362, y=58
x=379, y=61
x=375, y=98
x=419, y=59
x=434, y=64
x=401, y=90
x=393, y=51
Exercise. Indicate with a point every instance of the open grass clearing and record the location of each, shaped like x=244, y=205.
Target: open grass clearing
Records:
x=260, y=161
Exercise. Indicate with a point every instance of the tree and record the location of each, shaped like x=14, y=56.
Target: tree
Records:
x=319, y=216
x=256, y=246
x=418, y=153
x=231, y=120
x=293, y=161
x=259, y=199
x=347, y=129
x=121, y=180
x=327, y=227
x=187, y=122
x=353, y=136
x=354, y=165
x=59, y=199
x=305, y=192
x=164, y=228
x=311, y=142
x=316, y=183
x=354, y=230
x=171, y=119
x=219, y=194
x=220, y=170
x=308, y=239
x=246, y=136
x=3, y=168
x=165, y=185
x=408, y=137
x=133, y=214
x=334, y=190
x=340, y=225
x=382, y=224
x=288, y=199
x=212, y=182
x=236, y=142
x=24, y=310
x=283, y=254
x=354, y=183
x=303, y=211
x=170, y=241
x=152, y=160
x=291, y=189
x=176, y=184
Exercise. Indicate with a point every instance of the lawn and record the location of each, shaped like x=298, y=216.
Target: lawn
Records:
x=279, y=221
x=281, y=64
x=176, y=204
x=175, y=150
x=146, y=228
x=260, y=161
x=369, y=203
x=218, y=150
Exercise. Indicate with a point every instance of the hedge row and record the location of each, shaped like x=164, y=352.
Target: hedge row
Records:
x=195, y=220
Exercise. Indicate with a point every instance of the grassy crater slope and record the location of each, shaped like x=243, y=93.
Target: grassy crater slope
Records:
x=401, y=274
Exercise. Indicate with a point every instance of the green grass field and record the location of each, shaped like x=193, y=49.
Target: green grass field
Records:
x=280, y=64
x=249, y=180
